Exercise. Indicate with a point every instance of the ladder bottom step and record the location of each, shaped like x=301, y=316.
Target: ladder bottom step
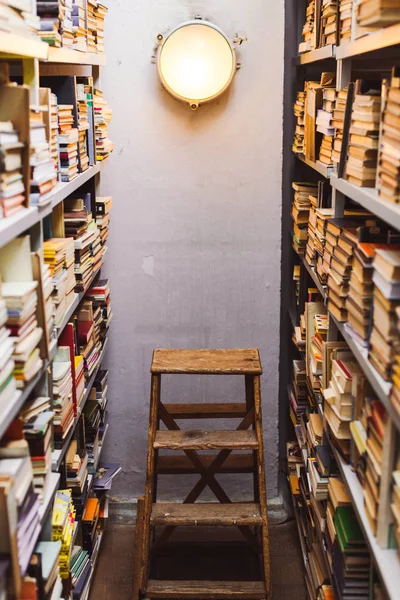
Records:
x=207, y=590
x=205, y=514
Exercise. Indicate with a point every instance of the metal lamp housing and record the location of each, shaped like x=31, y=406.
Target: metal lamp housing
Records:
x=196, y=62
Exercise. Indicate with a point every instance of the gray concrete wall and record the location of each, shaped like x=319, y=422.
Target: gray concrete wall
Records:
x=195, y=245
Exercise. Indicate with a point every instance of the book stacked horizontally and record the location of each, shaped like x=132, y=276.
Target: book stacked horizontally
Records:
x=48, y=288
x=8, y=385
x=96, y=419
x=338, y=124
x=360, y=293
x=83, y=126
x=322, y=264
x=103, y=208
x=17, y=18
x=338, y=404
x=324, y=124
x=299, y=392
x=54, y=129
x=364, y=138
x=62, y=396
x=20, y=523
x=299, y=110
x=79, y=25
x=68, y=138
x=378, y=13
x=63, y=522
x=308, y=42
x=395, y=504
x=59, y=255
x=102, y=118
x=43, y=169
x=67, y=31
x=77, y=475
x=50, y=13
x=12, y=188
x=300, y=213
x=89, y=344
x=377, y=428
x=389, y=147
x=100, y=13
x=38, y=421
x=100, y=296
x=346, y=11
x=384, y=342
x=91, y=25
x=329, y=22
x=21, y=301
x=80, y=226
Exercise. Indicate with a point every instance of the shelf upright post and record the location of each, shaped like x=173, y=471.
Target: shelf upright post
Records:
x=31, y=79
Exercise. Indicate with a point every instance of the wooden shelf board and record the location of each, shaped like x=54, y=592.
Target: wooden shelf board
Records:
x=317, y=166
x=74, y=57
x=324, y=53
x=383, y=38
x=369, y=199
x=13, y=226
x=17, y=46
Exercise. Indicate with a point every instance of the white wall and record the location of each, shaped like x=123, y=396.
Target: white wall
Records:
x=194, y=250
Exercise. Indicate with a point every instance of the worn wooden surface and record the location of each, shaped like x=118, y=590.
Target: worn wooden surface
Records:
x=177, y=464
x=205, y=440
x=207, y=590
x=214, y=410
x=211, y=362
x=206, y=514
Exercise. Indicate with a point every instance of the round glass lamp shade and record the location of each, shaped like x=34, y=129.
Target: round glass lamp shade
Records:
x=196, y=62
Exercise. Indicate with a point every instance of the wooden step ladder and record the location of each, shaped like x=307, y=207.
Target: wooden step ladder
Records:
x=250, y=518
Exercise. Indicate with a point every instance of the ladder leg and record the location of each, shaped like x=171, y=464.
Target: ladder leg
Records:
x=150, y=478
x=262, y=484
x=249, y=406
x=137, y=556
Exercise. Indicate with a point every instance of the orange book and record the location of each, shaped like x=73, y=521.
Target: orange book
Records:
x=91, y=510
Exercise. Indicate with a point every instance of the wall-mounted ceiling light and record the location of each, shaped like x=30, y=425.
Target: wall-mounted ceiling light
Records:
x=196, y=62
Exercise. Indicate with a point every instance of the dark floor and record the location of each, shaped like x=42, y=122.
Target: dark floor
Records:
x=113, y=577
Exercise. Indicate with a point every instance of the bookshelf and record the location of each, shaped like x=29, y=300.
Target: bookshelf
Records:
x=370, y=56
x=71, y=76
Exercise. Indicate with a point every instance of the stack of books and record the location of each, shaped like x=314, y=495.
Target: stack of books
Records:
x=103, y=208
x=21, y=301
x=329, y=22
x=38, y=423
x=104, y=476
x=68, y=139
x=48, y=288
x=338, y=123
x=364, y=137
x=325, y=126
x=299, y=392
x=102, y=118
x=17, y=18
x=101, y=299
x=83, y=127
x=314, y=351
x=89, y=343
x=12, y=189
x=50, y=14
x=8, y=385
x=309, y=41
x=62, y=396
x=80, y=226
x=59, y=255
x=360, y=293
x=63, y=522
x=79, y=25
x=77, y=476
x=300, y=213
x=321, y=244
x=20, y=524
x=384, y=343
x=54, y=129
x=346, y=11
x=91, y=25
x=378, y=13
x=377, y=428
x=389, y=152
x=42, y=166
x=67, y=31
x=100, y=13
x=299, y=111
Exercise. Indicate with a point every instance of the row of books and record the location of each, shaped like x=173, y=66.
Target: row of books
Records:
x=73, y=24
x=330, y=21
x=17, y=18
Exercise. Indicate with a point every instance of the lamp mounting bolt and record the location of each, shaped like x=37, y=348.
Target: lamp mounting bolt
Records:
x=160, y=37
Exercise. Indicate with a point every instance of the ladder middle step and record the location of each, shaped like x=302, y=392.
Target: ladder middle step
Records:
x=207, y=410
x=206, y=514
x=206, y=440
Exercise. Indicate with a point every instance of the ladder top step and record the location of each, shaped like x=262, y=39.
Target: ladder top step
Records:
x=207, y=362
x=206, y=440
x=205, y=514
x=179, y=464
x=208, y=590
x=207, y=410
